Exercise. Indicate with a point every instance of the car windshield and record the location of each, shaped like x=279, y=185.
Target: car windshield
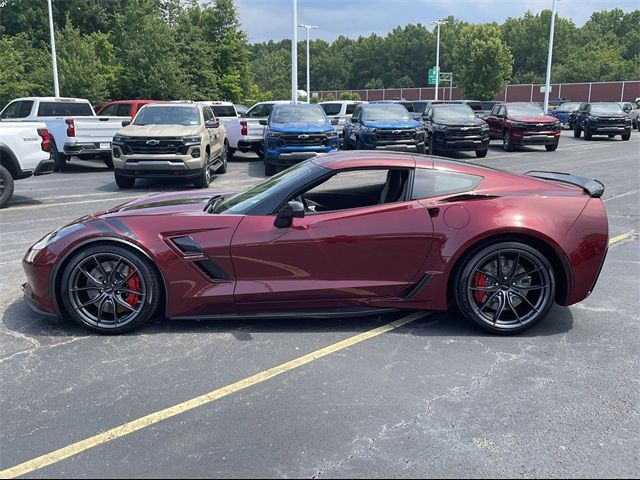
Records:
x=386, y=112
x=298, y=114
x=331, y=108
x=569, y=106
x=525, y=111
x=168, y=115
x=606, y=109
x=452, y=113
x=242, y=202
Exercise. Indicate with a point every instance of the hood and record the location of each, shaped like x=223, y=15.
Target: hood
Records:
x=159, y=130
x=305, y=127
x=392, y=123
x=175, y=203
x=472, y=122
x=545, y=119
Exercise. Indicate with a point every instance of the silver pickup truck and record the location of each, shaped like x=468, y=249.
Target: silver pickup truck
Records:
x=246, y=133
x=73, y=125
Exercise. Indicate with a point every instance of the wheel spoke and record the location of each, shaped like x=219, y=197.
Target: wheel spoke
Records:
x=101, y=308
x=513, y=308
x=82, y=289
x=114, y=271
x=91, y=301
x=90, y=277
x=530, y=287
x=519, y=295
x=487, y=274
x=101, y=269
x=490, y=288
x=128, y=290
x=487, y=301
x=125, y=304
x=525, y=274
x=514, y=269
x=124, y=280
x=499, y=267
x=500, y=309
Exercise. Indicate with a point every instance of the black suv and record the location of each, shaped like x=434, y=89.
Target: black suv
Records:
x=601, y=118
x=455, y=127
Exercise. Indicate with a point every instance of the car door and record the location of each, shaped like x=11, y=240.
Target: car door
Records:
x=351, y=128
x=496, y=121
x=427, y=121
x=334, y=257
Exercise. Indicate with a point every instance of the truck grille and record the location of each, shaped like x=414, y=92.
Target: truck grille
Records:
x=395, y=134
x=146, y=146
x=303, y=140
x=539, y=127
x=463, y=132
x=616, y=122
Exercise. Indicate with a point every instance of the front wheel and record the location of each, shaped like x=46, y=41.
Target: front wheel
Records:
x=505, y=288
x=223, y=156
x=576, y=131
x=587, y=134
x=420, y=148
x=110, y=289
x=507, y=144
x=626, y=136
x=6, y=186
x=552, y=147
x=431, y=150
x=482, y=153
x=108, y=161
x=204, y=178
x=124, y=182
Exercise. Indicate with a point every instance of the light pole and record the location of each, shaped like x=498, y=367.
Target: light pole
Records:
x=308, y=28
x=54, y=63
x=294, y=51
x=548, y=78
x=438, y=23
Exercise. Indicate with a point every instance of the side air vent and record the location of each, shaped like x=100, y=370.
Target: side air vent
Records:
x=187, y=245
x=211, y=270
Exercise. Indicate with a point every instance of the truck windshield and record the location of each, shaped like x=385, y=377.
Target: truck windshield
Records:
x=386, y=112
x=569, y=106
x=331, y=108
x=241, y=202
x=606, y=109
x=298, y=114
x=168, y=115
x=525, y=111
x=450, y=113
x=62, y=109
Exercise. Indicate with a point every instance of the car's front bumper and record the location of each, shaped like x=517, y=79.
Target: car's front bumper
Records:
x=462, y=144
x=537, y=138
x=159, y=165
x=609, y=129
x=373, y=140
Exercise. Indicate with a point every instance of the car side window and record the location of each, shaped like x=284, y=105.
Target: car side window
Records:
x=110, y=110
x=11, y=110
x=124, y=110
x=434, y=183
x=25, y=109
x=502, y=111
x=356, y=113
x=208, y=115
x=350, y=108
x=256, y=111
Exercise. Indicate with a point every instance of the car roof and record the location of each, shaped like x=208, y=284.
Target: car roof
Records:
x=343, y=102
x=138, y=100
x=52, y=99
x=217, y=102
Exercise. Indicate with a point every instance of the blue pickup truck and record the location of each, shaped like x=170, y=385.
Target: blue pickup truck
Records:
x=295, y=132
x=382, y=125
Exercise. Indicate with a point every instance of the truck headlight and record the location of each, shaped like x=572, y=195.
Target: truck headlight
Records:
x=192, y=139
x=369, y=130
x=274, y=135
x=119, y=139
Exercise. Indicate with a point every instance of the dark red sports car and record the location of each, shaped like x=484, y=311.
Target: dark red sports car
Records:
x=341, y=234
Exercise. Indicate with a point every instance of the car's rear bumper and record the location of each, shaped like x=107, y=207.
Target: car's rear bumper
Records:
x=88, y=148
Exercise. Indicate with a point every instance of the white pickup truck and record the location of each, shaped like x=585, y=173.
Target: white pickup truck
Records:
x=73, y=125
x=24, y=151
x=246, y=133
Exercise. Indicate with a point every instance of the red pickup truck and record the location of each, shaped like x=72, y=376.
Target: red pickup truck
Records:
x=523, y=124
x=123, y=108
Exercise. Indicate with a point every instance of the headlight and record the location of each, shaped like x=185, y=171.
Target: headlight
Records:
x=484, y=128
x=274, y=134
x=440, y=127
x=369, y=130
x=419, y=129
x=119, y=139
x=557, y=124
x=192, y=139
x=333, y=134
x=519, y=124
x=56, y=235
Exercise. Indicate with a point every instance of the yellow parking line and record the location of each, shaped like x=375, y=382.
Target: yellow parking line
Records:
x=153, y=418
x=619, y=238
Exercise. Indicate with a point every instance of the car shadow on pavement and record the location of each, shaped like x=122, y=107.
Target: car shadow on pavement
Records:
x=19, y=318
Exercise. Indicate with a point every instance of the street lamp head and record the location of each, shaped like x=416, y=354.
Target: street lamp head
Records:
x=440, y=22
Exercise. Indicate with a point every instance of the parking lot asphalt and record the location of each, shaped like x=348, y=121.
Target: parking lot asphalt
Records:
x=431, y=398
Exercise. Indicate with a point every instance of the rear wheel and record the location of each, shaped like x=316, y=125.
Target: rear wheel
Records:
x=124, y=182
x=507, y=144
x=6, y=186
x=230, y=153
x=269, y=168
x=59, y=159
x=110, y=289
x=482, y=153
x=552, y=147
x=505, y=288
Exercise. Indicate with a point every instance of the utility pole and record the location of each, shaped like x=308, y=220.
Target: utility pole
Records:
x=547, y=82
x=54, y=63
x=308, y=28
x=294, y=51
x=438, y=23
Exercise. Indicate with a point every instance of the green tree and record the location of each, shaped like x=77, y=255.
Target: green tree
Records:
x=350, y=96
x=329, y=97
x=24, y=70
x=484, y=61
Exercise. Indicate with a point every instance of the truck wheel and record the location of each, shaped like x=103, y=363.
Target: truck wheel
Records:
x=420, y=148
x=204, y=179
x=259, y=150
x=223, y=157
x=552, y=147
x=6, y=186
x=576, y=131
x=432, y=146
x=124, y=182
x=587, y=134
x=626, y=136
x=108, y=161
x=59, y=159
x=482, y=153
x=506, y=141
x=269, y=169
x=230, y=153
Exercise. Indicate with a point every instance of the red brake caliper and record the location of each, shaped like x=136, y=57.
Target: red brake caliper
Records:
x=479, y=280
x=133, y=284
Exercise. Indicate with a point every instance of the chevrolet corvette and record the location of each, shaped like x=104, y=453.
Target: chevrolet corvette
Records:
x=343, y=234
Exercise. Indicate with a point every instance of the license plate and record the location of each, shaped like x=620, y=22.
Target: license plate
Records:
x=105, y=146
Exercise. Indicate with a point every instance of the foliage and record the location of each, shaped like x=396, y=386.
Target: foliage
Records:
x=329, y=97
x=350, y=96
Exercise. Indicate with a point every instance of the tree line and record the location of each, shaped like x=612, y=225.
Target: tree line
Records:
x=189, y=49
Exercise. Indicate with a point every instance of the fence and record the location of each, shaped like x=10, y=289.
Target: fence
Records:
x=577, y=92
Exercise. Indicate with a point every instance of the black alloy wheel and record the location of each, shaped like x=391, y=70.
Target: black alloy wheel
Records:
x=507, y=144
x=224, y=158
x=505, y=288
x=110, y=289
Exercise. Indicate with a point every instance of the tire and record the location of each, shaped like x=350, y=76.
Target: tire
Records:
x=116, y=272
x=204, y=178
x=482, y=153
x=6, y=186
x=269, y=169
x=259, y=149
x=587, y=134
x=506, y=141
x=552, y=147
x=59, y=159
x=224, y=157
x=230, y=153
x=626, y=136
x=108, y=161
x=431, y=150
x=576, y=131
x=421, y=148
x=124, y=182
x=504, y=301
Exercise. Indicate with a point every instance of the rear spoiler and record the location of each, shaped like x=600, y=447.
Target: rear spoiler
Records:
x=595, y=188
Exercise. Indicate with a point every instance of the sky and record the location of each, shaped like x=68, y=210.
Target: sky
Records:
x=265, y=20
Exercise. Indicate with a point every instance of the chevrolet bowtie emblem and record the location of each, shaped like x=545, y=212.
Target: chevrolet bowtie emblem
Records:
x=152, y=142
x=303, y=137
x=396, y=132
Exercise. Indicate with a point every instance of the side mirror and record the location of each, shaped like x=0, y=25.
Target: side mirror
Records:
x=126, y=123
x=626, y=109
x=287, y=213
x=334, y=121
x=212, y=123
x=425, y=117
x=263, y=122
x=355, y=120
